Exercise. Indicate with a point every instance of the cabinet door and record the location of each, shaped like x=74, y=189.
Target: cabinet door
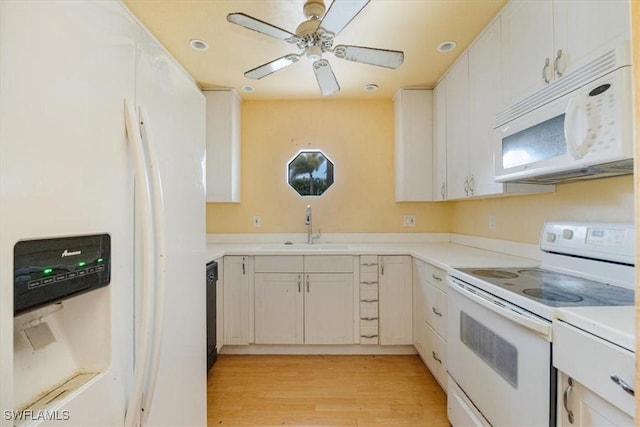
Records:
x=279, y=308
x=236, y=300
x=583, y=28
x=396, y=300
x=527, y=42
x=328, y=308
x=587, y=408
x=440, y=141
x=413, y=145
x=458, y=129
x=223, y=146
x=485, y=87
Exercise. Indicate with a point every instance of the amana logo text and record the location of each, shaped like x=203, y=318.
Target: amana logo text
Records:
x=70, y=253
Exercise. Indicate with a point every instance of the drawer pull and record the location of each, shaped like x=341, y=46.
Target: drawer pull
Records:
x=435, y=357
x=369, y=264
x=369, y=283
x=368, y=300
x=565, y=399
x=436, y=312
x=622, y=383
x=435, y=277
x=368, y=318
x=368, y=336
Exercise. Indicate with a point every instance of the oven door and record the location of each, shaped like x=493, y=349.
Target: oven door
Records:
x=500, y=356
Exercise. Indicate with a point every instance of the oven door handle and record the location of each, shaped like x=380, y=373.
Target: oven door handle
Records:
x=538, y=326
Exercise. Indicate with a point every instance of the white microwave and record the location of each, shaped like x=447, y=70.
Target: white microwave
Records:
x=587, y=133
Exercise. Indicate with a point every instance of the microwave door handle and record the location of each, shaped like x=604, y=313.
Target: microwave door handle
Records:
x=538, y=326
x=576, y=135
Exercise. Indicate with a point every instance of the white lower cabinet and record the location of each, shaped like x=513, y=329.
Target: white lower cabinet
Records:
x=236, y=300
x=596, y=390
x=430, y=318
x=304, y=299
x=396, y=300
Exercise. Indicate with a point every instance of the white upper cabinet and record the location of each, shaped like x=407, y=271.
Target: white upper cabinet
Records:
x=440, y=140
x=545, y=40
x=413, y=145
x=485, y=92
x=457, y=129
x=223, y=145
x=527, y=47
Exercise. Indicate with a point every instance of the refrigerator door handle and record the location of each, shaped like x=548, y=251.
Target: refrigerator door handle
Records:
x=143, y=206
x=159, y=262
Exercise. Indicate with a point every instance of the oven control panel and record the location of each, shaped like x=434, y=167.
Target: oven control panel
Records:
x=606, y=241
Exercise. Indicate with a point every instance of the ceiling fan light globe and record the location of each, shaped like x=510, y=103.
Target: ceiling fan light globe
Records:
x=314, y=53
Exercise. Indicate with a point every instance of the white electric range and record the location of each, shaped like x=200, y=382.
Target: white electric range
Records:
x=499, y=330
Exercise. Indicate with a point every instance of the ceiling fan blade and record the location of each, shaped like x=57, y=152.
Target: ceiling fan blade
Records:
x=260, y=26
x=340, y=13
x=271, y=67
x=371, y=56
x=325, y=77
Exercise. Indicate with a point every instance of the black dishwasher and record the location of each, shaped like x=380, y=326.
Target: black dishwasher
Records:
x=212, y=278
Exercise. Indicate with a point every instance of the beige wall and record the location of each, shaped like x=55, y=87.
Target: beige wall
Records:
x=521, y=218
x=357, y=136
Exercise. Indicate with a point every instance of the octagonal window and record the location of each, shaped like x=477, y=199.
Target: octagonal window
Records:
x=310, y=173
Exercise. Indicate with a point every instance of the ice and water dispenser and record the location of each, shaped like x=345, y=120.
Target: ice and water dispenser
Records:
x=62, y=316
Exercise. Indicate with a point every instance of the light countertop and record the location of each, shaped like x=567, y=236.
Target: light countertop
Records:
x=440, y=254
x=614, y=324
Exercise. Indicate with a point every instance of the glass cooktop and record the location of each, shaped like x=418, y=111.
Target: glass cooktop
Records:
x=552, y=288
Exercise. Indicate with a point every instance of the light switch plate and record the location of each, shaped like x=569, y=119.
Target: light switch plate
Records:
x=409, y=221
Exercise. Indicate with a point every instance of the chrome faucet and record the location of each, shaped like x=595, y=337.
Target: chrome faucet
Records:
x=308, y=222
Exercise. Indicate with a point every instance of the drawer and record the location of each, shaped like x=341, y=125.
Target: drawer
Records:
x=368, y=277
x=328, y=264
x=592, y=362
x=435, y=356
x=368, y=310
x=436, y=309
x=368, y=261
x=368, y=287
x=368, y=327
x=277, y=264
x=369, y=340
x=369, y=295
x=436, y=276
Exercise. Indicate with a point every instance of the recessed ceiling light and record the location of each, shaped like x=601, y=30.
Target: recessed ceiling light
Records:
x=447, y=46
x=370, y=87
x=198, y=44
x=248, y=88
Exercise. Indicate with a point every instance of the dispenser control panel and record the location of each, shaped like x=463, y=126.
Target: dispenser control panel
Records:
x=50, y=270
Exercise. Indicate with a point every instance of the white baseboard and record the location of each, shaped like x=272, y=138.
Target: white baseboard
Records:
x=320, y=349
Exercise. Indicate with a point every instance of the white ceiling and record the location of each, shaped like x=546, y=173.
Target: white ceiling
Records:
x=413, y=26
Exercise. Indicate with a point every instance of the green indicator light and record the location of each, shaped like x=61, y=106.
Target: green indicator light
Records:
x=47, y=270
x=100, y=260
x=82, y=264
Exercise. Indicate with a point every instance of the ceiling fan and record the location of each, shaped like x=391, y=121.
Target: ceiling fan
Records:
x=314, y=37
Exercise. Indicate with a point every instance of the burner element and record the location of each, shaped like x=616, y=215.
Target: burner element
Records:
x=495, y=274
x=552, y=295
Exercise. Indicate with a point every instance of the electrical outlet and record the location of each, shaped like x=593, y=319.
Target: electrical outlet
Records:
x=257, y=222
x=409, y=221
x=492, y=222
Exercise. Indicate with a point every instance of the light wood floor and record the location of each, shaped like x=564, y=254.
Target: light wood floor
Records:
x=324, y=390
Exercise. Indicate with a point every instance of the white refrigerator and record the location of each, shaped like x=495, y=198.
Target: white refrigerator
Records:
x=102, y=132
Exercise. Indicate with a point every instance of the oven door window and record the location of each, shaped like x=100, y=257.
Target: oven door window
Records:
x=533, y=144
x=497, y=352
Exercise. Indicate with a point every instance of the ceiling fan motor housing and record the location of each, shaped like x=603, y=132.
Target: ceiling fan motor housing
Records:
x=313, y=9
